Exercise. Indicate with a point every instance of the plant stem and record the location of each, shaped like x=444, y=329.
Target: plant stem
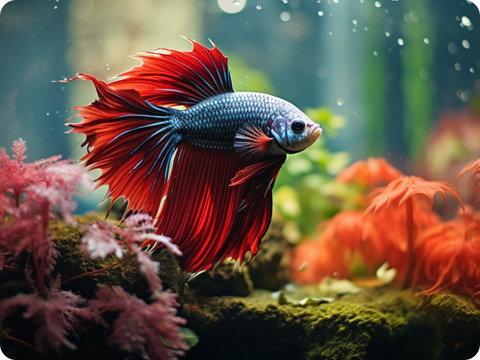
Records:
x=22, y=342
x=409, y=268
x=97, y=271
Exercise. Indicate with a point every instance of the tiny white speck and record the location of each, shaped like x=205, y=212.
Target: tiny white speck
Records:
x=377, y=4
x=400, y=41
x=320, y=13
x=426, y=41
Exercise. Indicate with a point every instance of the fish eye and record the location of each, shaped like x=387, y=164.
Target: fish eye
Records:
x=298, y=126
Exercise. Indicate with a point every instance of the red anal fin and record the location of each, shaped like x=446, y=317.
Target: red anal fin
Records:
x=250, y=141
x=130, y=141
x=263, y=174
x=172, y=77
x=200, y=208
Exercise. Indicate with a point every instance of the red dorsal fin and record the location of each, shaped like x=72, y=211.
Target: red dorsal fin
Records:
x=131, y=141
x=250, y=141
x=170, y=77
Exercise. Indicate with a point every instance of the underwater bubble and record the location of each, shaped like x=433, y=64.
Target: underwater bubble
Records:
x=366, y=28
x=387, y=11
x=340, y=102
x=336, y=1
x=452, y=48
x=330, y=33
x=55, y=7
x=354, y=22
x=231, y=7
x=285, y=1
x=464, y=96
x=472, y=70
x=331, y=15
x=423, y=74
x=458, y=66
x=322, y=72
x=259, y=7
x=426, y=41
x=285, y=16
x=400, y=41
x=48, y=114
x=354, y=30
x=377, y=4
x=387, y=34
x=375, y=53
x=414, y=16
x=320, y=13
x=466, y=44
x=466, y=21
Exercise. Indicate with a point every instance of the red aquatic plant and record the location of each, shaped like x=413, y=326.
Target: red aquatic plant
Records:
x=344, y=236
x=473, y=165
x=403, y=191
x=372, y=172
x=311, y=262
x=447, y=256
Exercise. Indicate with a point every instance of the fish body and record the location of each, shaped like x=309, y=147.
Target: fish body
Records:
x=205, y=173
x=214, y=122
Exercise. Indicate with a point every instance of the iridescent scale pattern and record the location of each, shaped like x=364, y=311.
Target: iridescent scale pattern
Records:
x=214, y=122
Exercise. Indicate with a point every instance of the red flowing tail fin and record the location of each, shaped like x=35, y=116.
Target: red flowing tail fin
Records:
x=131, y=141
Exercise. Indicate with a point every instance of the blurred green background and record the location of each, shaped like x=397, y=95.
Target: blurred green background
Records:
x=398, y=79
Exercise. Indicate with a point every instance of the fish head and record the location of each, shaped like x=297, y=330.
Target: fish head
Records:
x=293, y=130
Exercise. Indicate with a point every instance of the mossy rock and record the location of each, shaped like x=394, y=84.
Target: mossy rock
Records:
x=373, y=324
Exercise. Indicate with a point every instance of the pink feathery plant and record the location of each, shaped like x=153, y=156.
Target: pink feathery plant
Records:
x=30, y=195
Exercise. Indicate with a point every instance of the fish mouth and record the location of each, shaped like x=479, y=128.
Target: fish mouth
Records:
x=315, y=133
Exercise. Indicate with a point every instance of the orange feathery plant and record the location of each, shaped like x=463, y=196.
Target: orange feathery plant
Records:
x=475, y=165
x=402, y=191
x=448, y=256
x=371, y=172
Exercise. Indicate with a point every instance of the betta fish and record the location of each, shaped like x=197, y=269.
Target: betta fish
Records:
x=205, y=171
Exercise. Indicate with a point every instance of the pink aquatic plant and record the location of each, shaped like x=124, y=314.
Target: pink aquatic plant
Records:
x=31, y=194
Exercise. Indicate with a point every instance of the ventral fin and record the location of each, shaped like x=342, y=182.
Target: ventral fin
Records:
x=171, y=77
x=250, y=141
x=263, y=174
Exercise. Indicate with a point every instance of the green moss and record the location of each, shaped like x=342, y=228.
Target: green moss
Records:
x=373, y=324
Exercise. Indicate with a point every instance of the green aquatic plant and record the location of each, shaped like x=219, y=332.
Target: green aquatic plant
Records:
x=305, y=191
